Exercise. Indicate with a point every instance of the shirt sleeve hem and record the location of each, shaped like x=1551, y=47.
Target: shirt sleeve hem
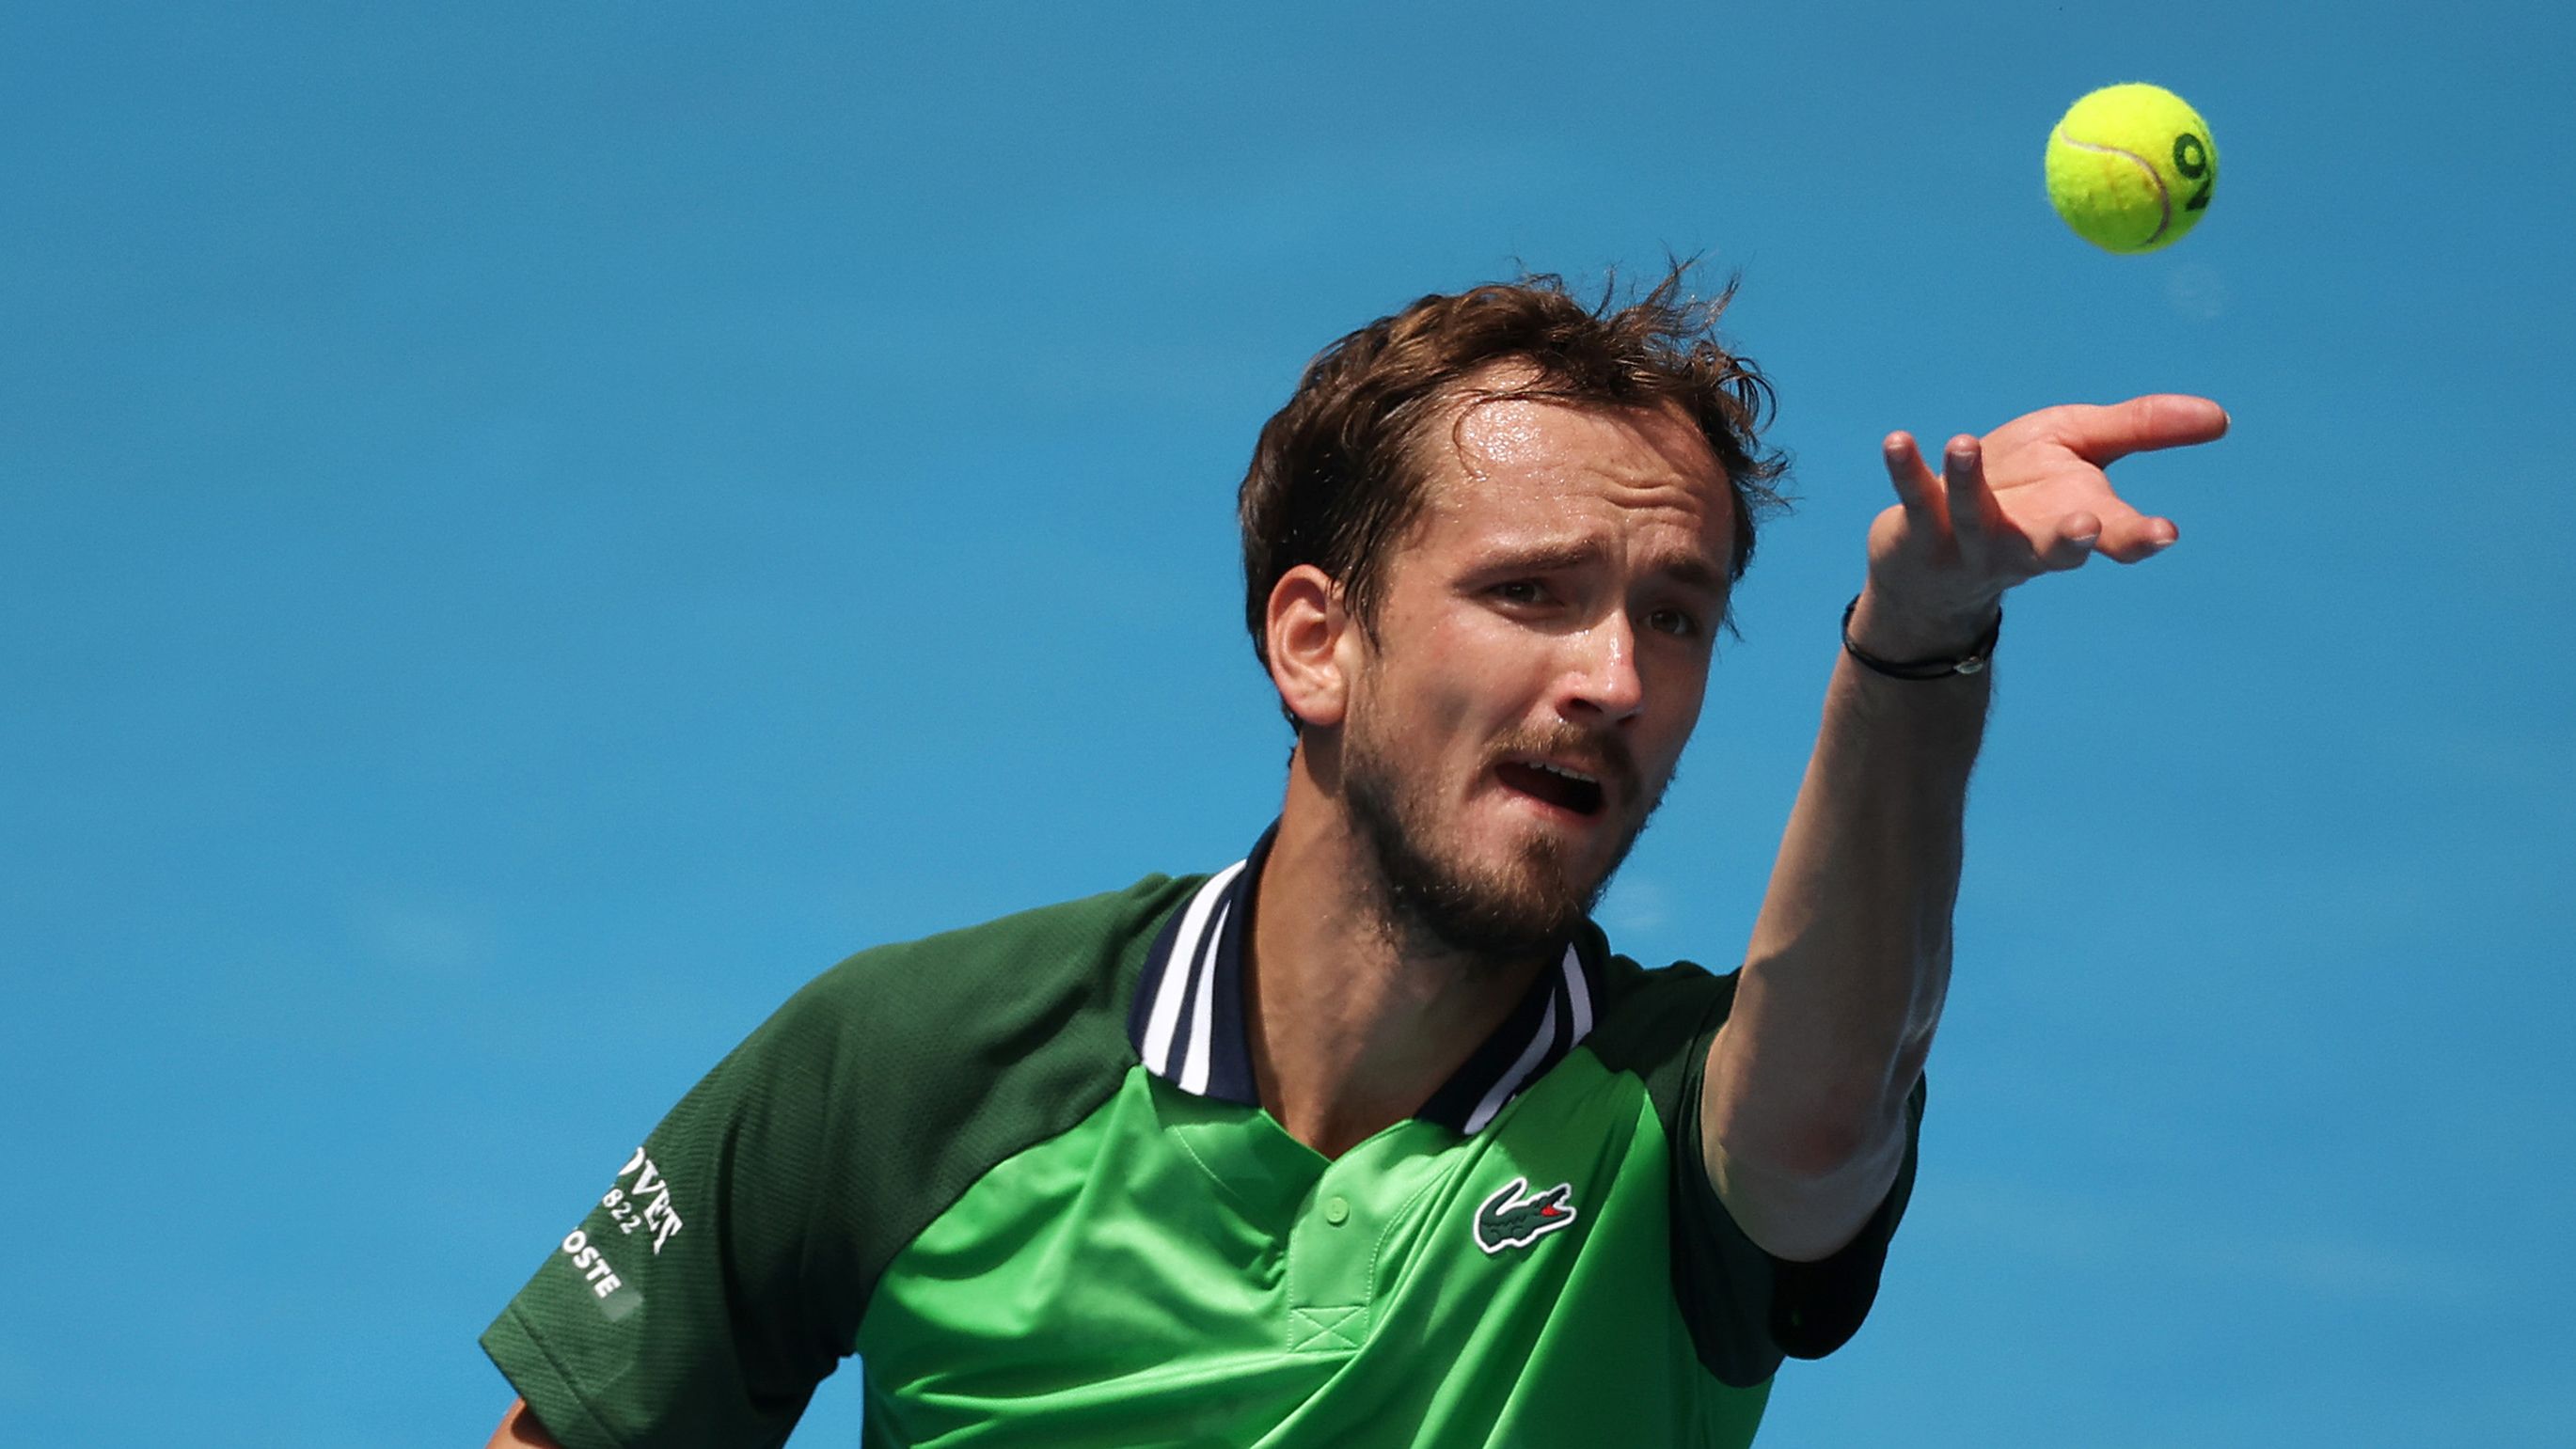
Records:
x=1817, y=1307
x=514, y=1348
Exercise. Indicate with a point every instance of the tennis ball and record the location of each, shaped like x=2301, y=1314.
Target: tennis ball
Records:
x=2131, y=168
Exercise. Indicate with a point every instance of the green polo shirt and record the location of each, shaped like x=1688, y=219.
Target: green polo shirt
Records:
x=1022, y=1172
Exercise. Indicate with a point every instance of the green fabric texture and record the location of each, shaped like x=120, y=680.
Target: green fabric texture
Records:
x=807, y=1159
x=1181, y=1272
x=1746, y=1309
x=946, y=1157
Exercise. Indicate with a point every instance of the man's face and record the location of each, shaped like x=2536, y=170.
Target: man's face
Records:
x=1542, y=645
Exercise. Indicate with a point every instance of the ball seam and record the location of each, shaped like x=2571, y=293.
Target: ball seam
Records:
x=2155, y=178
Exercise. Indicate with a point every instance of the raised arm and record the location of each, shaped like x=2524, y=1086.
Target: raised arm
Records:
x=1803, y=1106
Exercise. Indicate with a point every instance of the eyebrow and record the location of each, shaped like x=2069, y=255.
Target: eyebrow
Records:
x=1687, y=570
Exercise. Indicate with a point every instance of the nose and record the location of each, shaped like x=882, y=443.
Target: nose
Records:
x=1602, y=680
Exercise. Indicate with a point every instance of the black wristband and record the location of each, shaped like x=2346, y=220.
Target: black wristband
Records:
x=1972, y=662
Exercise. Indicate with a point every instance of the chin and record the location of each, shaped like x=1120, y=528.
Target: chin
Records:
x=1496, y=882
x=1524, y=898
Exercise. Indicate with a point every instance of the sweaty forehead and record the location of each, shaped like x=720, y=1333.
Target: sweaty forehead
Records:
x=1516, y=454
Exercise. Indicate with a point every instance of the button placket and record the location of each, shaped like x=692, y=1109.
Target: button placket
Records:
x=1329, y=1259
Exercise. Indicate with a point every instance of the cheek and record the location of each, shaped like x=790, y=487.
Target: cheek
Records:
x=1423, y=707
x=1453, y=672
x=1683, y=688
x=1442, y=696
x=1486, y=675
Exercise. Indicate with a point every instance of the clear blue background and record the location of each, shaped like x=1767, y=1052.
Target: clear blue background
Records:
x=526, y=531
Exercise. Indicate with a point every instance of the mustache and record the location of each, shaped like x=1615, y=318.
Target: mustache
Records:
x=1604, y=757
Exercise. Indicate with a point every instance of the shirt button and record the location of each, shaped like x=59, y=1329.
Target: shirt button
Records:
x=1336, y=1211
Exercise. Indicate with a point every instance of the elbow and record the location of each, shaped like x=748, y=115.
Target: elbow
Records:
x=1825, y=1134
x=1833, y=1147
x=1805, y=1206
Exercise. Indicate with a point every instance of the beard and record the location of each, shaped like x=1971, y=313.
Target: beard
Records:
x=1493, y=917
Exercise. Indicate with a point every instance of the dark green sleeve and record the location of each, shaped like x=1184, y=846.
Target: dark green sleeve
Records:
x=726, y=1268
x=685, y=1307
x=1747, y=1308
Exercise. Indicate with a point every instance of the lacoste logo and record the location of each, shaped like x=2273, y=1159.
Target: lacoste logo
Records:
x=1510, y=1220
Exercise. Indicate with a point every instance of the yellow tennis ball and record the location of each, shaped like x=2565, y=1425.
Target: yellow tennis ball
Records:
x=2131, y=168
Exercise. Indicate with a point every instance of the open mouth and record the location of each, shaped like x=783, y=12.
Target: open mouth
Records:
x=1563, y=788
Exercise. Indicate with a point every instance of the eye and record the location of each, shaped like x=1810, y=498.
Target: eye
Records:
x=1521, y=591
x=1674, y=622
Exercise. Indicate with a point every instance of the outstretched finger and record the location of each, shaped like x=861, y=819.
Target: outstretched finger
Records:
x=2105, y=434
x=1925, y=502
x=1973, y=511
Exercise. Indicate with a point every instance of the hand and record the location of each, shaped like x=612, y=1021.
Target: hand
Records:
x=2027, y=499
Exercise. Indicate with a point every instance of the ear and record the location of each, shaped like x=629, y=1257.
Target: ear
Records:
x=1306, y=628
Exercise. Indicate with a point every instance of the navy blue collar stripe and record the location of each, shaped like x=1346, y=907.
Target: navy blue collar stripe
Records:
x=1189, y=1027
x=1159, y=1025
x=1521, y=1049
x=1229, y=1076
x=1547, y=1024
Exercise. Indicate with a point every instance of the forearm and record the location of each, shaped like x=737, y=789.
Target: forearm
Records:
x=1802, y=1112
x=1844, y=979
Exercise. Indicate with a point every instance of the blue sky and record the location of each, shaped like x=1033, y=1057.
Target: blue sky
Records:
x=526, y=532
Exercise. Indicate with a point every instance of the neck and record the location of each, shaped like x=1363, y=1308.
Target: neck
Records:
x=1355, y=1019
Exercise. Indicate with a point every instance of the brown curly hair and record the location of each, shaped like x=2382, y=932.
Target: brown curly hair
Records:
x=1340, y=472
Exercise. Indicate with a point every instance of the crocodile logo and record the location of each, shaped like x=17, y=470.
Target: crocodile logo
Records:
x=1515, y=1218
